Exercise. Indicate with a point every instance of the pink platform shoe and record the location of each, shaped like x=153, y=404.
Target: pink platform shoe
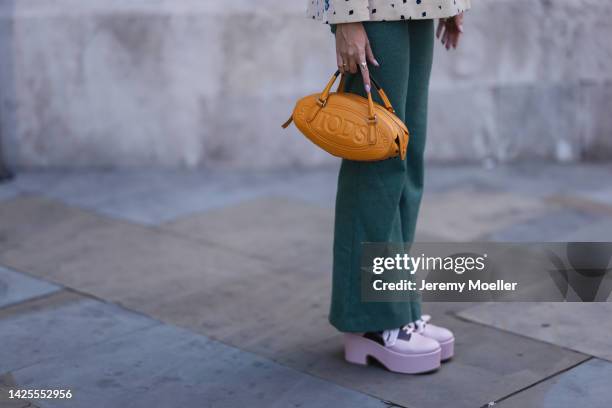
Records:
x=443, y=336
x=418, y=354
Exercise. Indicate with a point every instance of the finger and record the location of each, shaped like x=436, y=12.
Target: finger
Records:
x=365, y=73
x=446, y=39
x=451, y=39
x=339, y=59
x=370, y=55
x=362, y=60
x=441, y=25
x=459, y=21
x=457, y=37
x=352, y=64
x=339, y=62
x=346, y=61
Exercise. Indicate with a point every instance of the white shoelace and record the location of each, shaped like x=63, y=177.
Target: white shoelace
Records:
x=417, y=326
x=390, y=337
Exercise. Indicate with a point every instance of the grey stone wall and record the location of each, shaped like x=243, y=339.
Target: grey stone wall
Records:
x=117, y=83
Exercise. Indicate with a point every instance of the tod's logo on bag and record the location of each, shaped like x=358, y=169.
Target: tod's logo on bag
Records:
x=331, y=124
x=352, y=127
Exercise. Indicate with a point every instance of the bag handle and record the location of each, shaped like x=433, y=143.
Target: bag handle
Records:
x=325, y=94
x=372, y=119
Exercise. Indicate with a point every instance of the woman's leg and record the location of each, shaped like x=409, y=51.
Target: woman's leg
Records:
x=421, y=58
x=376, y=202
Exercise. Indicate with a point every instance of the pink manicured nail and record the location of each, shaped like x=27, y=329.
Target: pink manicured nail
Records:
x=376, y=63
x=367, y=88
x=460, y=26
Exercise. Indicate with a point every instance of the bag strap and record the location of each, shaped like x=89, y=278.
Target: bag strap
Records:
x=341, y=86
x=372, y=119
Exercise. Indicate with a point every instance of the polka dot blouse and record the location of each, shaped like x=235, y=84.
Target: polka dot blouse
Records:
x=347, y=11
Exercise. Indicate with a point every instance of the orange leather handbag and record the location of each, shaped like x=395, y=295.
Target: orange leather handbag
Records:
x=350, y=126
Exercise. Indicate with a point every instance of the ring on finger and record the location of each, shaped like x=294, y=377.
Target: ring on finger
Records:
x=363, y=64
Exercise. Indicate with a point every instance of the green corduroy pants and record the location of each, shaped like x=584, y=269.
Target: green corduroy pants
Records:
x=379, y=201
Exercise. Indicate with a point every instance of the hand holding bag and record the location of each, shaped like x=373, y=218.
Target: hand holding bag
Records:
x=350, y=126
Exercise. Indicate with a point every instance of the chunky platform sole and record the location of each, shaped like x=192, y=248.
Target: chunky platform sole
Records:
x=448, y=349
x=357, y=349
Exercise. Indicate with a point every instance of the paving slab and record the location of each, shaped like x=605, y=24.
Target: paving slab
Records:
x=163, y=366
x=26, y=216
x=114, y=260
x=288, y=232
x=489, y=364
x=553, y=226
x=265, y=302
x=8, y=190
x=580, y=203
x=466, y=214
x=164, y=275
x=154, y=196
x=291, y=233
x=138, y=195
x=155, y=207
x=17, y=287
x=269, y=316
x=58, y=325
x=183, y=193
x=599, y=232
x=87, y=187
x=530, y=179
x=544, y=179
x=561, y=324
x=586, y=385
x=313, y=186
x=171, y=278
x=261, y=325
x=262, y=317
x=285, y=319
x=601, y=195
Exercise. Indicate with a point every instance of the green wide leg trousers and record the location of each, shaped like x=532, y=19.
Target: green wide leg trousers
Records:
x=379, y=201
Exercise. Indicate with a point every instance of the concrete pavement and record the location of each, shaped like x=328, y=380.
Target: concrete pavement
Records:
x=175, y=289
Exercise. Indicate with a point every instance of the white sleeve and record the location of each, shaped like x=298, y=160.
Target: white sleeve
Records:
x=339, y=11
x=348, y=11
